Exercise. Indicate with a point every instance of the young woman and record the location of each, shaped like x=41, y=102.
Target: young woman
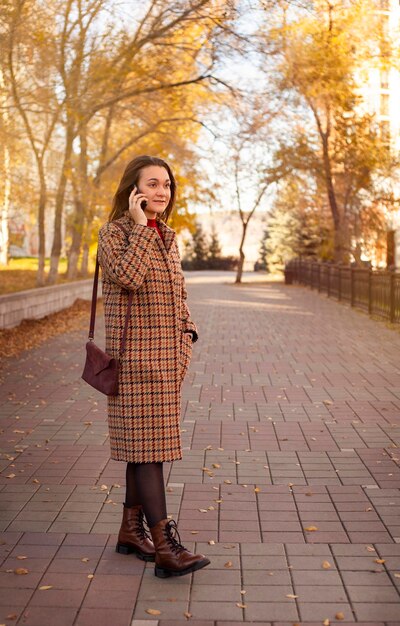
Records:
x=144, y=418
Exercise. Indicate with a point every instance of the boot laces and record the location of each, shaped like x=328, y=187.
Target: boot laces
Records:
x=173, y=537
x=141, y=527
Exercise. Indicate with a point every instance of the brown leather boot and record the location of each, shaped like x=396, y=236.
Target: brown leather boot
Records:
x=133, y=537
x=172, y=558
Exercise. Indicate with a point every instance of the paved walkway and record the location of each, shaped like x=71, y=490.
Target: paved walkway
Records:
x=290, y=479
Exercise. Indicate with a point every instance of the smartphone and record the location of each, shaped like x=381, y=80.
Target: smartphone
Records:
x=143, y=203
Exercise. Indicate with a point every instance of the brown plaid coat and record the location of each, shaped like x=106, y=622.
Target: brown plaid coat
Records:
x=144, y=418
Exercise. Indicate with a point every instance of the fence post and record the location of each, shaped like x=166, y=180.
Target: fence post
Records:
x=370, y=307
x=352, y=289
x=392, y=294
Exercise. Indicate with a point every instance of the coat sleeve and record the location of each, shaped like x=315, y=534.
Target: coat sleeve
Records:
x=188, y=325
x=126, y=260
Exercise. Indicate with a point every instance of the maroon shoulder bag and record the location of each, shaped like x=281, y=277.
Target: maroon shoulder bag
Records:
x=101, y=370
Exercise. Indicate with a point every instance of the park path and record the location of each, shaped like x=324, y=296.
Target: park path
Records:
x=290, y=478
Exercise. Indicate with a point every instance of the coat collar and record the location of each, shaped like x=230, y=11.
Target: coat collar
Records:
x=168, y=233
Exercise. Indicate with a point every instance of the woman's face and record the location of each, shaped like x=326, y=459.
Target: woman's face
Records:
x=155, y=184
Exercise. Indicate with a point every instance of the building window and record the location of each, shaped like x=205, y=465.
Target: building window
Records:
x=384, y=128
x=384, y=79
x=384, y=104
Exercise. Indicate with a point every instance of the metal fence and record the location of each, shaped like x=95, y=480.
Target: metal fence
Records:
x=374, y=291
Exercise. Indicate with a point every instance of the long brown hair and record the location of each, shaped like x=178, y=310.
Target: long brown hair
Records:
x=130, y=177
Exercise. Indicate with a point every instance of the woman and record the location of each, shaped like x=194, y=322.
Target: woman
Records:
x=144, y=418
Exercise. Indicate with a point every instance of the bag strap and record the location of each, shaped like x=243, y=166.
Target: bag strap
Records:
x=94, y=303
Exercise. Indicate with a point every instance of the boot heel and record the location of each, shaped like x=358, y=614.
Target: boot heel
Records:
x=122, y=549
x=161, y=573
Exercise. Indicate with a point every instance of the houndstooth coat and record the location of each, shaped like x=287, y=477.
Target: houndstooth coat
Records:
x=144, y=418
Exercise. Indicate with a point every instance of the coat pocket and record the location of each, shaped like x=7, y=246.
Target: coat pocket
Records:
x=186, y=353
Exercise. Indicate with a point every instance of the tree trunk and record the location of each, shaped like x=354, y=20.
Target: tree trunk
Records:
x=57, y=235
x=241, y=255
x=40, y=278
x=74, y=251
x=4, y=231
x=342, y=242
x=84, y=271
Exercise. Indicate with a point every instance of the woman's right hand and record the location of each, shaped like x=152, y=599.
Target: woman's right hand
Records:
x=135, y=209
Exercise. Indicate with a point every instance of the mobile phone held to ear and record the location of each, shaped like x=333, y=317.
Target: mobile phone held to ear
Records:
x=143, y=203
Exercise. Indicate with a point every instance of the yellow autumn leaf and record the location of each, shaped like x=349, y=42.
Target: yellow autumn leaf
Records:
x=228, y=482
x=21, y=558
x=216, y=465
x=85, y=559
x=203, y=510
x=339, y=615
x=326, y=564
x=21, y=571
x=194, y=532
x=379, y=560
x=153, y=611
x=187, y=614
x=241, y=606
x=371, y=549
x=257, y=489
x=326, y=622
x=45, y=587
x=90, y=576
x=291, y=595
x=211, y=542
x=311, y=528
x=228, y=564
x=11, y=476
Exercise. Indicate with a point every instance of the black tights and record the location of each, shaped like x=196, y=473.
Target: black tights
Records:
x=145, y=486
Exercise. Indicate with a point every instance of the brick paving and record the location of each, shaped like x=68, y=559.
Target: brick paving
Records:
x=290, y=480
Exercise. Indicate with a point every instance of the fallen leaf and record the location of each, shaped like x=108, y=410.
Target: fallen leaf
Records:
x=85, y=559
x=45, y=587
x=21, y=558
x=203, y=510
x=339, y=615
x=194, y=532
x=187, y=614
x=291, y=595
x=311, y=528
x=90, y=576
x=257, y=489
x=216, y=465
x=12, y=616
x=21, y=571
x=228, y=564
x=11, y=476
x=379, y=560
x=211, y=542
x=153, y=611
x=35, y=480
x=104, y=487
x=242, y=591
x=326, y=622
x=371, y=549
x=241, y=606
x=309, y=493
x=228, y=482
x=397, y=575
x=326, y=564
